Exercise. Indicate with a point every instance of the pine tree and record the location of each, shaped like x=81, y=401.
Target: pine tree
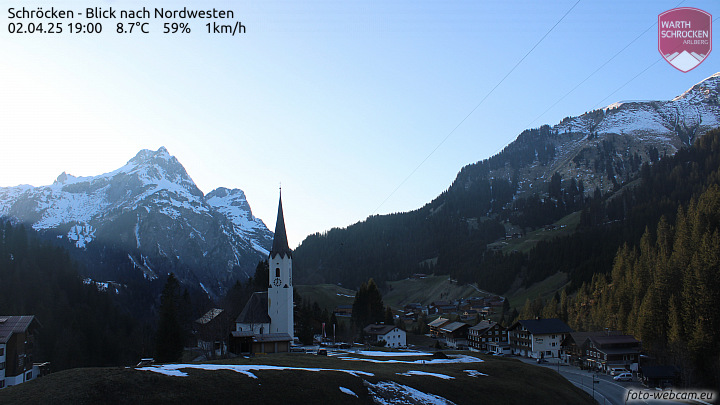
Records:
x=389, y=318
x=169, y=338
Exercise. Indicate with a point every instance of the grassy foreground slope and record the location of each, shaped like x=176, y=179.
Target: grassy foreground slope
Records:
x=508, y=381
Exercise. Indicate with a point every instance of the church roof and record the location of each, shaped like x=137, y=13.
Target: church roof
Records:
x=256, y=310
x=280, y=242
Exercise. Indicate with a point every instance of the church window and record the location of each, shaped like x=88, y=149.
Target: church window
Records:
x=277, y=272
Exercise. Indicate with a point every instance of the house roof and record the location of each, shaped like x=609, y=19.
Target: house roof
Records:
x=482, y=326
x=272, y=337
x=280, y=242
x=580, y=337
x=452, y=327
x=613, y=340
x=209, y=316
x=619, y=350
x=378, y=329
x=15, y=324
x=438, y=322
x=543, y=326
x=256, y=309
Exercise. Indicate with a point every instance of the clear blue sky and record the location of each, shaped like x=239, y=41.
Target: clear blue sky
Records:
x=338, y=100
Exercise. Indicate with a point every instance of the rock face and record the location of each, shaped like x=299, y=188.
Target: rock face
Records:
x=148, y=211
x=606, y=146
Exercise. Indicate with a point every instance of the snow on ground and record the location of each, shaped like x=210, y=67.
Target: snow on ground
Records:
x=451, y=359
x=174, y=369
x=413, y=372
x=348, y=391
x=345, y=295
x=388, y=392
x=388, y=354
x=475, y=373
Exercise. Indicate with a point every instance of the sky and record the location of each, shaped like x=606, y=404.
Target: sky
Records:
x=357, y=108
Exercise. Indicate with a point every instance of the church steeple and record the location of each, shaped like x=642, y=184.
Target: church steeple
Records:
x=280, y=242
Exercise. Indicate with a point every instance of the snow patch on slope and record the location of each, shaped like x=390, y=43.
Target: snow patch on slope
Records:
x=81, y=234
x=389, y=392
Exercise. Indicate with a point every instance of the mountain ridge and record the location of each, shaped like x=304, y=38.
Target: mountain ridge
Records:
x=152, y=209
x=543, y=175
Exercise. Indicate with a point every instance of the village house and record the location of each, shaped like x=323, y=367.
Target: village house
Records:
x=469, y=315
x=485, y=332
x=442, y=307
x=607, y=352
x=390, y=334
x=537, y=338
x=455, y=334
x=435, y=326
x=17, y=340
x=573, y=347
x=210, y=330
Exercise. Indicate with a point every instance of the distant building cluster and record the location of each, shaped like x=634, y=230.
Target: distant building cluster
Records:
x=470, y=309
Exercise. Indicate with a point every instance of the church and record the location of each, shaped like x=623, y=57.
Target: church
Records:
x=266, y=323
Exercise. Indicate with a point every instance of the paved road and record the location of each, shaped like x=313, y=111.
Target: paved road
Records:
x=607, y=391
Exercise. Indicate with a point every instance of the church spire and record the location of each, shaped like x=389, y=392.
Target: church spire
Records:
x=280, y=242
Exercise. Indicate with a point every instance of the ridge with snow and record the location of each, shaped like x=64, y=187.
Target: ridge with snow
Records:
x=151, y=209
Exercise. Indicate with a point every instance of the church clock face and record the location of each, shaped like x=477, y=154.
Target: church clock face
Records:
x=277, y=282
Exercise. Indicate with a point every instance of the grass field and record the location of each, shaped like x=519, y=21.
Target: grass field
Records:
x=565, y=226
x=327, y=296
x=543, y=289
x=248, y=381
x=426, y=290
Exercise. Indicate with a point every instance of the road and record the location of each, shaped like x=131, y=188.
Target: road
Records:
x=606, y=391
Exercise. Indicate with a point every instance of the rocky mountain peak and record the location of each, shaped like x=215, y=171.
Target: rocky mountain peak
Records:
x=63, y=178
x=707, y=91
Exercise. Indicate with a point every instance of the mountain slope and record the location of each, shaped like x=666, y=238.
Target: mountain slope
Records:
x=150, y=212
x=543, y=175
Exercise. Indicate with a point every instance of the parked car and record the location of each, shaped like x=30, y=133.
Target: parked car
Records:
x=616, y=371
x=322, y=352
x=623, y=377
x=541, y=361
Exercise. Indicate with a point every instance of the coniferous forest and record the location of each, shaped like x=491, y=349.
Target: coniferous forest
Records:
x=80, y=326
x=646, y=261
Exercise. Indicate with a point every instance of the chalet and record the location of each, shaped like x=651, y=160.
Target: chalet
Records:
x=210, y=330
x=572, y=348
x=455, y=334
x=416, y=308
x=17, y=340
x=442, y=307
x=537, y=338
x=469, y=315
x=606, y=352
x=499, y=348
x=485, y=332
x=390, y=334
x=435, y=326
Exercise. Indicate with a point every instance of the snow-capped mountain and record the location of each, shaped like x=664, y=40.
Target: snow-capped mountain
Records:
x=537, y=179
x=605, y=146
x=152, y=212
